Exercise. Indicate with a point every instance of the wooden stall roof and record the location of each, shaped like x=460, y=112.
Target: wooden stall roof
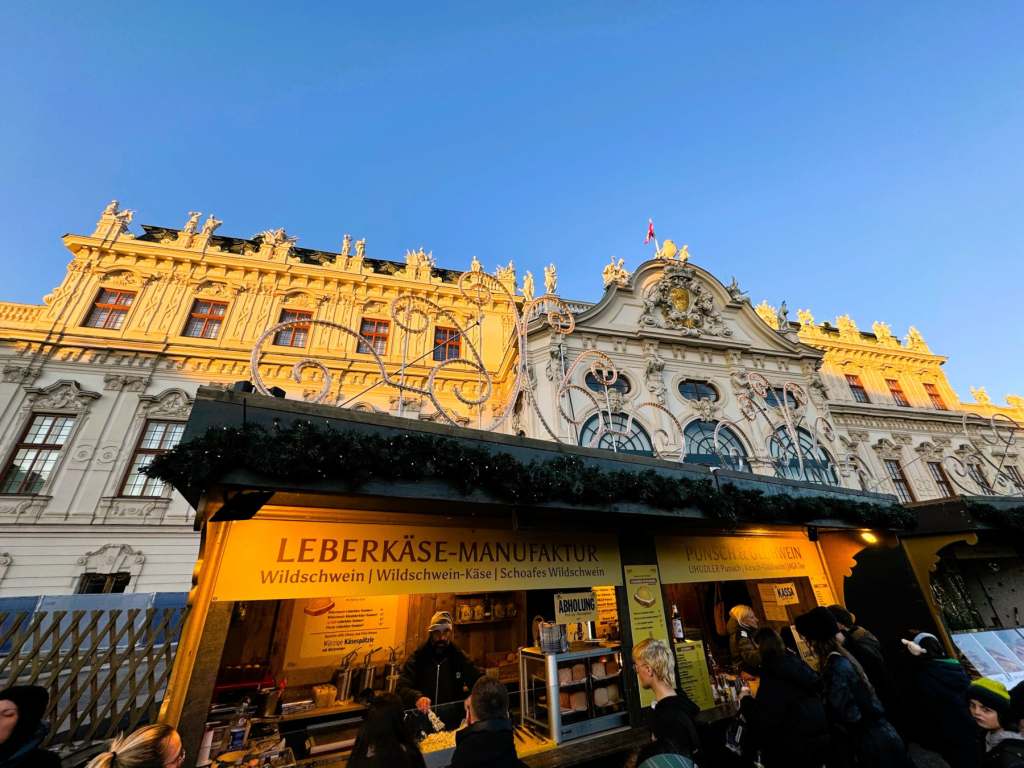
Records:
x=216, y=407
x=964, y=513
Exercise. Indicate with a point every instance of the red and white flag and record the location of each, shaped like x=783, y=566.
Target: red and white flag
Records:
x=650, y=231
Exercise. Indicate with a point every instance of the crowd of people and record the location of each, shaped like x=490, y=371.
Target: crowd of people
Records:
x=837, y=716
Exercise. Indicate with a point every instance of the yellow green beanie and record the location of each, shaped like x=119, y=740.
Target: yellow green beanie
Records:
x=992, y=694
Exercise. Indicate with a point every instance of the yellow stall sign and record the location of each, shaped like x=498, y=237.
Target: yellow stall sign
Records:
x=272, y=559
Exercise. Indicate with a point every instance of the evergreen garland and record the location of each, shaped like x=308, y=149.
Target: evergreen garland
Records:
x=1011, y=519
x=309, y=453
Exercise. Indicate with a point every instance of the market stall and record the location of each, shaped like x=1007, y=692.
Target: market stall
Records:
x=314, y=590
x=968, y=560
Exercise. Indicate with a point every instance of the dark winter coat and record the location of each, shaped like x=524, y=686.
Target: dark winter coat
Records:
x=866, y=649
x=486, y=744
x=937, y=689
x=671, y=723
x=787, y=716
x=407, y=758
x=1008, y=753
x=449, y=677
x=745, y=655
x=28, y=754
x=861, y=736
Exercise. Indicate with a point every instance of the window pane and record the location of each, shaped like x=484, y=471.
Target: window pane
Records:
x=596, y=383
x=692, y=389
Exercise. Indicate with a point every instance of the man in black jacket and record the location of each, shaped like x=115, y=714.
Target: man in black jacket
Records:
x=488, y=741
x=437, y=672
x=867, y=650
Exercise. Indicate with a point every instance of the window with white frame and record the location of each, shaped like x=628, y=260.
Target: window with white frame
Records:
x=36, y=453
x=157, y=437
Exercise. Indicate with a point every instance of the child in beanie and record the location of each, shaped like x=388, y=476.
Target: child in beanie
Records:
x=991, y=709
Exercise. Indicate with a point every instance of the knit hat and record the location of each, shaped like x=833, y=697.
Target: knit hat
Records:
x=993, y=695
x=817, y=624
x=441, y=621
x=842, y=616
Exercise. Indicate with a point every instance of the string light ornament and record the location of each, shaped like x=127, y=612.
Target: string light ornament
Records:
x=416, y=315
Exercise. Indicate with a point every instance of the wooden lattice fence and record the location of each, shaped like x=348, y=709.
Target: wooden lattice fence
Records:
x=106, y=669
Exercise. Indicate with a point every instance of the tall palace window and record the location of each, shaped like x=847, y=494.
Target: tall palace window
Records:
x=447, y=343
x=897, y=392
x=375, y=333
x=701, y=448
x=933, y=394
x=899, y=481
x=294, y=335
x=941, y=479
x=205, y=319
x=817, y=463
x=857, y=388
x=157, y=437
x=36, y=454
x=110, y=309
x=622, y=434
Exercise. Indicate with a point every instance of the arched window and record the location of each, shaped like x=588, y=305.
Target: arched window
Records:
x=694, y=389
x=596, y=383
x=621, y=434
x=774, y=397
x=701, y=449
x=818, y=465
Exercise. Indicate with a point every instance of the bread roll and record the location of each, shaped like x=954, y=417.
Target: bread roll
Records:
x=601, y=697
x=579, y=672
x=597, y=669
x=564, y=675
x=579, y=701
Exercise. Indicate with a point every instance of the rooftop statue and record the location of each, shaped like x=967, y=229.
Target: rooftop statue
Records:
x=210, y=225
x=346, y=245
x=528, y=287
x=550, y=279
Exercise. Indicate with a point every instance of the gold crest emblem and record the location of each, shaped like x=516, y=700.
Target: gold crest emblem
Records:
x=680, y=299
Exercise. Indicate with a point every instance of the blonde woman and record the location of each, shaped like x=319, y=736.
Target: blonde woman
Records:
x=742, y=626
x=671, y=720
x=151, y=746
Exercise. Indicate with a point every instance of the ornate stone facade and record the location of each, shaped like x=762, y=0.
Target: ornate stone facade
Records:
x=116, y=376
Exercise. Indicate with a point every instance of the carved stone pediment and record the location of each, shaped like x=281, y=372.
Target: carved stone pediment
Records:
x=169, y=404
x=63, y=395
x=680, y=301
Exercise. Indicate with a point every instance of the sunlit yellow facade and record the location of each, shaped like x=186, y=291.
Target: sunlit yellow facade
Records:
x=192, y=307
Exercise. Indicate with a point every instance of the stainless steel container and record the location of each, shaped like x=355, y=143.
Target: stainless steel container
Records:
x=394, y=671
x=368, y=672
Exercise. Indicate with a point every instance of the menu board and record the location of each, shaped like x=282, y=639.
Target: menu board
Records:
x=774, y=608
x=331, y=628
x=694, y=678
x=646, y=610
x=997, y=653
x=607, y=612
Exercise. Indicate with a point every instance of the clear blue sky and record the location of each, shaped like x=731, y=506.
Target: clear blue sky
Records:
x=848, y=157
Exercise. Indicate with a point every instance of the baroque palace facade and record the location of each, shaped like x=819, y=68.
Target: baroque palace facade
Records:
x=671, y=362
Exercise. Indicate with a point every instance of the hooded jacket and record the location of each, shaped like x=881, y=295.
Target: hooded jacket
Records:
x=22, y=749
x=486, y=744
x=441, y=679
x=787, y=716
x=942, y=723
